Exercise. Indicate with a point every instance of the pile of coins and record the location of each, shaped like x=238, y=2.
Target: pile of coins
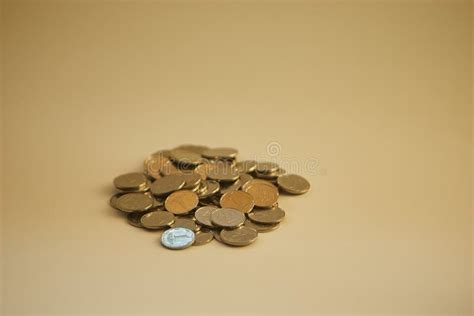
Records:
x=197, y=194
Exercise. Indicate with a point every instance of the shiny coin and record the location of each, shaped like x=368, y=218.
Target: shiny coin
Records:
x=212, y=187
x=230, y=187
x=134, y=202
x=185, y=157
x=261, y=228
x=157, y=220
x=246, y=166
x=198, y=149
x=293, y=184
x=239, y=200
x=271, y=216
x=241, y=236
x=181, y=202
x=177, y=238
x=220, y=153
x=168, y=184
x=227, y=218
x=131, y=182
x=224, y=173
x=202, y=238
x=267, y=167
x=186, y=223
x=191, y=180
x=264, y=194
x=203, y=215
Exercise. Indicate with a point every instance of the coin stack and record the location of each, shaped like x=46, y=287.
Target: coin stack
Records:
x=197, y=194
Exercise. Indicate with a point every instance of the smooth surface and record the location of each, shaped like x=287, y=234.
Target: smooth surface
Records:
x=370, y=102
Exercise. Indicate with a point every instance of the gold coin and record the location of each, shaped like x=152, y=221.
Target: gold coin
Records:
x=217, y=234
x=113, y=200
x=131, y=182
x=202, y=169
x=186, y=223
x=264, y=194
x=202, y=238
x=224, y=173
x=293, y=184
x=198, y=149
x=191, y=180
x=203, y=215
x=267, y=167
x=244, y=178
x=168, y=184
x=231, y=187
x=134, y=202
x=157, y=219
x=220, y=153
x=154, y=163
x=181, y=202
x=134, y=218
x=270, y=176
x=239, y=200
x=246, y=166
x=241, y=236
x=185, y=157
x=169, y=169
x=227, y=218
x=271, y=216
x=261, y=228
x=252, y=181
x=212, y=187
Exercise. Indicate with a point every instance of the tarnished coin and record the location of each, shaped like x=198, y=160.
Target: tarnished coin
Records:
x=270, y=216
x=185, y=157
x=132, y=182
x=264, y=194
x=191, y=180
x=266, y=167
x=157, y=219
x=113, y=200
x=217, y=234
x=241, y=236
x=134, y=218
x=203, y=215
x=220, y=153
x=181, y=202
x=212, y=187
x=186, y=223
x=177, y=238
x=134, y=202
x=203, y=237
x=227, y=218
x=224, y=173
x=168, y=184
x=230, y=187
x=198, y=149
x=246, y=166
x=239, y=200
x=261, y=228
x=293, y=184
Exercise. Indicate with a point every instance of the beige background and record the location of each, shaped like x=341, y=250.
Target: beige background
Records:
x=377, y=93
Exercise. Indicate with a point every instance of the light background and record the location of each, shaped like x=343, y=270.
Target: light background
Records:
x=379, y=93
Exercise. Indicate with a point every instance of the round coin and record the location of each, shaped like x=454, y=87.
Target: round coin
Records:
x=131, y=182
x=169, y=169
x=168, y=184
x=157, y=219
x=244, y=178
x=231, y=187
x=154, y=163
x=293, y=184
x=198, y=149
x=185, y=157
x=227, y=218
x=271, y=175
x=134, y=202
x=181, y=202
x=261, y=228
x=246, y=166
x=134, y=219
x=252, y=181
x=202, y=238
x=271, y=216
x=264, y=194
x=212, y=187
x=113, y=200
x=239, y=200
x=203, y=215
x=186, y=223
x=241, y=236
x=177, y=238
x=220, y=153
x=267, y=167
x=191, y=180
x=224, y=173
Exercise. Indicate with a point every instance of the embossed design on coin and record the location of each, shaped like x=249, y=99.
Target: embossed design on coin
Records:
x=134, y=202
x=168, y=184
x=157, y=219
x=241, y=236
x=203, y=215
x=177, y=238
x=264, y=194
x=271, y=216
x=227, y=218
x=293, y=184
x=181, y=202
x=238, y=200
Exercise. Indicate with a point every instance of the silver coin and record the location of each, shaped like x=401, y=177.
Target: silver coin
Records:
x=178, y=238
